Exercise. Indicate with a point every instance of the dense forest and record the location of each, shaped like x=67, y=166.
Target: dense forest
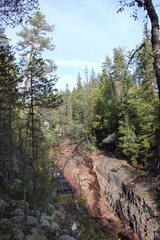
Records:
x=120, y=104
x=122, y=99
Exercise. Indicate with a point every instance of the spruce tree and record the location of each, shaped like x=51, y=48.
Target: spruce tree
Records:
x=143, y=102
x=107, y=103
x=8, y=100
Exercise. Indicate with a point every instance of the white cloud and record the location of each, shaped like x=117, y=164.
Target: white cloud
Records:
x=78, y=64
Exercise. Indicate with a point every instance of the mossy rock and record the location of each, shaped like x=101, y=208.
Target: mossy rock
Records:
x=35, y=236
x=63, y=198
x=9, y=231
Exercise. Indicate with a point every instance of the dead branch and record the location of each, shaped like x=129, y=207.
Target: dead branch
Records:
x=133, y=54
x=71, y=155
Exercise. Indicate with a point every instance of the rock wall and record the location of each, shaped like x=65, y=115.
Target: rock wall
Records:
x=128, y=191
x=121, y=197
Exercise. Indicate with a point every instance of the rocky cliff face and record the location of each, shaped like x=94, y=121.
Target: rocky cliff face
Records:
x=129, y=192
x=119, y=196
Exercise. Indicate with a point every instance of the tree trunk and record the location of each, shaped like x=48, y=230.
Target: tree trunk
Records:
x=110, y=78
x=10, y=143
x=33, y=149
x=155, y=39
x=156, y=50
x=30, y=59
x=25, y=189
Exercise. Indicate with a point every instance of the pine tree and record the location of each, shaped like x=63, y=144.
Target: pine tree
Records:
x=14, y=12
x=39, y=83
x=34, y=39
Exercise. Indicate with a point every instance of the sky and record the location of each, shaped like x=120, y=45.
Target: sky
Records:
x=85, y=32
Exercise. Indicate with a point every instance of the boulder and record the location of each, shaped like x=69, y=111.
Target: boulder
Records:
x=44, y=223
x=55, y=225
x=16, y=233
x=10, y=231
x=20, y=219
x=33, y=231
x=4, y=225
x=111, y=138
x=17, y=211
x=35, y=236
x=32, y=220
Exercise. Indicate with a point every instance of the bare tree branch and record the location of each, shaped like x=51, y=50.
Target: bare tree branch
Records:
x=133, y=54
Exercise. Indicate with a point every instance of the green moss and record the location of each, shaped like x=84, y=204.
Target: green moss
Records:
x=82, y=200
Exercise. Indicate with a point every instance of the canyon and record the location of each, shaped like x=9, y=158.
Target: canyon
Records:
x=123, y=199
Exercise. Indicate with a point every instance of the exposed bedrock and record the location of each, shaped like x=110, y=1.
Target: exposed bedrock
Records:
x=121, y=197
x=132, y=196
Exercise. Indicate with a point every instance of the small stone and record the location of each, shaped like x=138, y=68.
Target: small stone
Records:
x=66, y=237
x=32, y=220
x=55, y=225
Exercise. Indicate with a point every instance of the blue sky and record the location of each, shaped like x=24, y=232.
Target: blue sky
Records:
x=85, y=32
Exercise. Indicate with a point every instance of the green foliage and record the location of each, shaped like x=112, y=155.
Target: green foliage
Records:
x=146, y=127
x=124, y=4
x=138, y=123
x=82, y=200
x=76, y=116
x=128, y=140
x=88, y=228
x=36, y=34
x=116, y=101
x=9, y=80
x=107, y=106
x=34, y=119
x=39, y=94
x=63, y=198
x=14, y=12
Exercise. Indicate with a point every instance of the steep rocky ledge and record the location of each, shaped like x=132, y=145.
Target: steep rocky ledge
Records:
x=120, y=197
x=131, y=193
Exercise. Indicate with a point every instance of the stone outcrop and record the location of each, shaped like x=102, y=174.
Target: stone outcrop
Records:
x=117, y=195
x=57, y=223
x=129, y=192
